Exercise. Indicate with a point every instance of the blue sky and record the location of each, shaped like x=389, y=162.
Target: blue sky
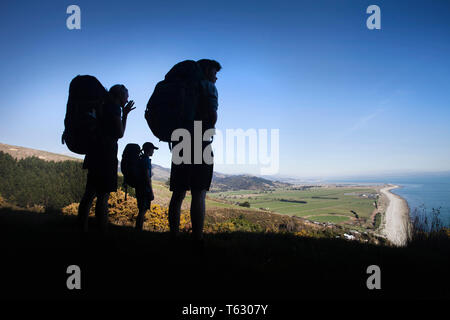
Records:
x=347, y=100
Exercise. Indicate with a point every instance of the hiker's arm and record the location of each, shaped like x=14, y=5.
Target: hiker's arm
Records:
x=118, y=127
x=122, y=123
x=146, y=174
x=213, y=117
x=211, y=102
x=126, y=110
x=147, y=179
x=119, y=124
x=148, y=182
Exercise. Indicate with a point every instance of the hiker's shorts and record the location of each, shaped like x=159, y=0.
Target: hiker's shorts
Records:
x=102, y=165
x=143, y=198
x=191, y=176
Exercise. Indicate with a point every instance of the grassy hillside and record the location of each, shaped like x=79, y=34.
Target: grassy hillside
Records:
x=18, y=152
x=250, y=253
x=163, y=194
x=50, y=186
x=238, y=266
x=221, y=218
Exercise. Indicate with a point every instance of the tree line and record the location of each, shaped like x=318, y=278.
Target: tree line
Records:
x=32, y=181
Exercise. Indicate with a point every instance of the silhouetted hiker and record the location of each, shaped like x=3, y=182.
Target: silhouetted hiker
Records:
x=101, y=158
x=195, y=177
x=144, y=190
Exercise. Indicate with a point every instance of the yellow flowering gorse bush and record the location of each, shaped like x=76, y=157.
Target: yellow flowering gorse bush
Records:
x=158, y=219
x=305, y=233
x=125, y=212
x=226, y=226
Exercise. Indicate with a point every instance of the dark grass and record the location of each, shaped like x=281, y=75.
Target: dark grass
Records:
x=125, y=264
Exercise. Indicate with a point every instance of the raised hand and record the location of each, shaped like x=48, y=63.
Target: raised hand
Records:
x=128, y=107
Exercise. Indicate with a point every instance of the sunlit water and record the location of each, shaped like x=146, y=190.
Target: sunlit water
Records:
x=422, y=192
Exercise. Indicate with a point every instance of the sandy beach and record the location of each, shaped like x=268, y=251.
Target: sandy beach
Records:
x=397, y=223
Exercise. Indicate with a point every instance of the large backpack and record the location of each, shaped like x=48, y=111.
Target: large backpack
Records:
x=174, y=101
x=84, y=107
x=131, y=165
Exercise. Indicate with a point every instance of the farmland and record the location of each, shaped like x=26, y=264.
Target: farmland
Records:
x=350, y=205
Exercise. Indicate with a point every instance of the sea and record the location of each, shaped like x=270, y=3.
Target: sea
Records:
x=423, y=192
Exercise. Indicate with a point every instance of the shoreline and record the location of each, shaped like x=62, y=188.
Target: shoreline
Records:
x=397, y=225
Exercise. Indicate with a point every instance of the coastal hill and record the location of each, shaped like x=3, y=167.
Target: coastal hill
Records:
x=238, y=201
x=221, y=182
x=22, y=153
x=287, y=253
x=17, y=152
x=244, y=182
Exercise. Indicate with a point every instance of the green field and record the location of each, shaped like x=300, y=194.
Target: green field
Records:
x=319, y=204
x=163, y=193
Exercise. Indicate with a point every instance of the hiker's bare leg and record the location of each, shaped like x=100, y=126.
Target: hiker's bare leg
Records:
x=85, y=206
x=101, y=210
x=198, y=213
x=140, y=218
x=174, y=211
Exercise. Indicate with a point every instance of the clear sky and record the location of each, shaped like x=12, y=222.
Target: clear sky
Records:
x=346, y=99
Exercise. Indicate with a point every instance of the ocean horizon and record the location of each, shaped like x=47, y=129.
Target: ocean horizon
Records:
x=423, y=192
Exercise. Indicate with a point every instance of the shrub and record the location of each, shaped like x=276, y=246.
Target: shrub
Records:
x=305, y=233
x=226, y=226
x=427, y=228
x=158, y=219
x=71, y=209
x=245, y=204
x=239, y=223
x=123, y=212
x=377, y=221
